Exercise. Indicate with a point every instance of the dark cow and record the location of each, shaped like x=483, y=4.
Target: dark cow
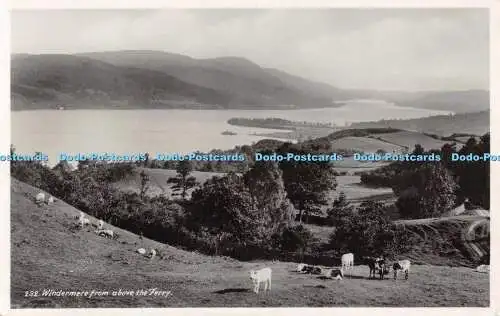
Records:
x=310, y=269
x=383, y=269
x=376, y=265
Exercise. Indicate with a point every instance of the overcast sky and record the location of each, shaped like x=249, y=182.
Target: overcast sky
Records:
x=388, y=49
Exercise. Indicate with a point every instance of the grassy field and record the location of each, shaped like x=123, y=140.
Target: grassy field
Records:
x=365, y=144
x=356, y=192
x=410, y=139
x=48, y=254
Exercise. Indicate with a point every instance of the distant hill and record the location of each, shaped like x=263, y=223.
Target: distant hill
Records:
x=38, y=80
x=246, y=82
x=477, y=123
x=156, y=79
x=465, y=101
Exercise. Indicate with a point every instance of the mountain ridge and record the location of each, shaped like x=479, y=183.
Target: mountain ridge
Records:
x=157, y=79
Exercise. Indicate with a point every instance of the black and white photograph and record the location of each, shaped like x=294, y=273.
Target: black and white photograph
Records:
x=249, y=157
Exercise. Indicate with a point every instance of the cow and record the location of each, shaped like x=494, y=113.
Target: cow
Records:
x=373, y=264
x=403, y=265
x=300, y=267
x=310, y=269
x=347, y=261
x=259, y=276
x=383, y=268
x=334, y=273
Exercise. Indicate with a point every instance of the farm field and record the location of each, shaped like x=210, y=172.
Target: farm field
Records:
x=410, y=139
x=47, y=254
x=364, y=144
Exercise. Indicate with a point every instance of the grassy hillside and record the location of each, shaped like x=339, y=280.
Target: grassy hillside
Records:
x=364, y=144
x=47, y=254
x=410, y=139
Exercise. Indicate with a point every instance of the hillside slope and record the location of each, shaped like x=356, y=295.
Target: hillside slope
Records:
x=476, y=123
x=84, y=82
x=245, y=81
x=48, y=254
x=462, y=240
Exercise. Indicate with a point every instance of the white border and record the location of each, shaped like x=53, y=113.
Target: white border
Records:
x=116, y=4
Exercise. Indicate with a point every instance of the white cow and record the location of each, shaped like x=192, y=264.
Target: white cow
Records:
x=403, y=265
x=101, y=224
x=50, y=200
x=259, y=276
x=40, y=198
x=347, y=262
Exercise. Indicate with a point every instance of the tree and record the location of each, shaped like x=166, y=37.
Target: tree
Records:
x=144, y=184
x=307, y=184
x=224, y=207
x=368, y=232
x=266, y=186
x=183, y=182
x=474, y=176
x=428, y=191
x=341, y=208
x=294, y=238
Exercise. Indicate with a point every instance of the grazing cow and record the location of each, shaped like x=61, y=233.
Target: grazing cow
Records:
x=347, y=262
x=50, y=200
x=403, y=265
x=259, y=276
x=40, y=198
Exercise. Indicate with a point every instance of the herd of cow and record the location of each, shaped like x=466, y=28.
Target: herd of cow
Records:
x=376, y=265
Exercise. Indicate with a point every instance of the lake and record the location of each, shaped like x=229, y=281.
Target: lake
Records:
x=170, y=131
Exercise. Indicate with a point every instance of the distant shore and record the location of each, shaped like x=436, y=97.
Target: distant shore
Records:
x=46, y=106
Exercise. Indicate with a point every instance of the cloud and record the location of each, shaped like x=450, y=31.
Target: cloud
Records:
x=370, y=48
